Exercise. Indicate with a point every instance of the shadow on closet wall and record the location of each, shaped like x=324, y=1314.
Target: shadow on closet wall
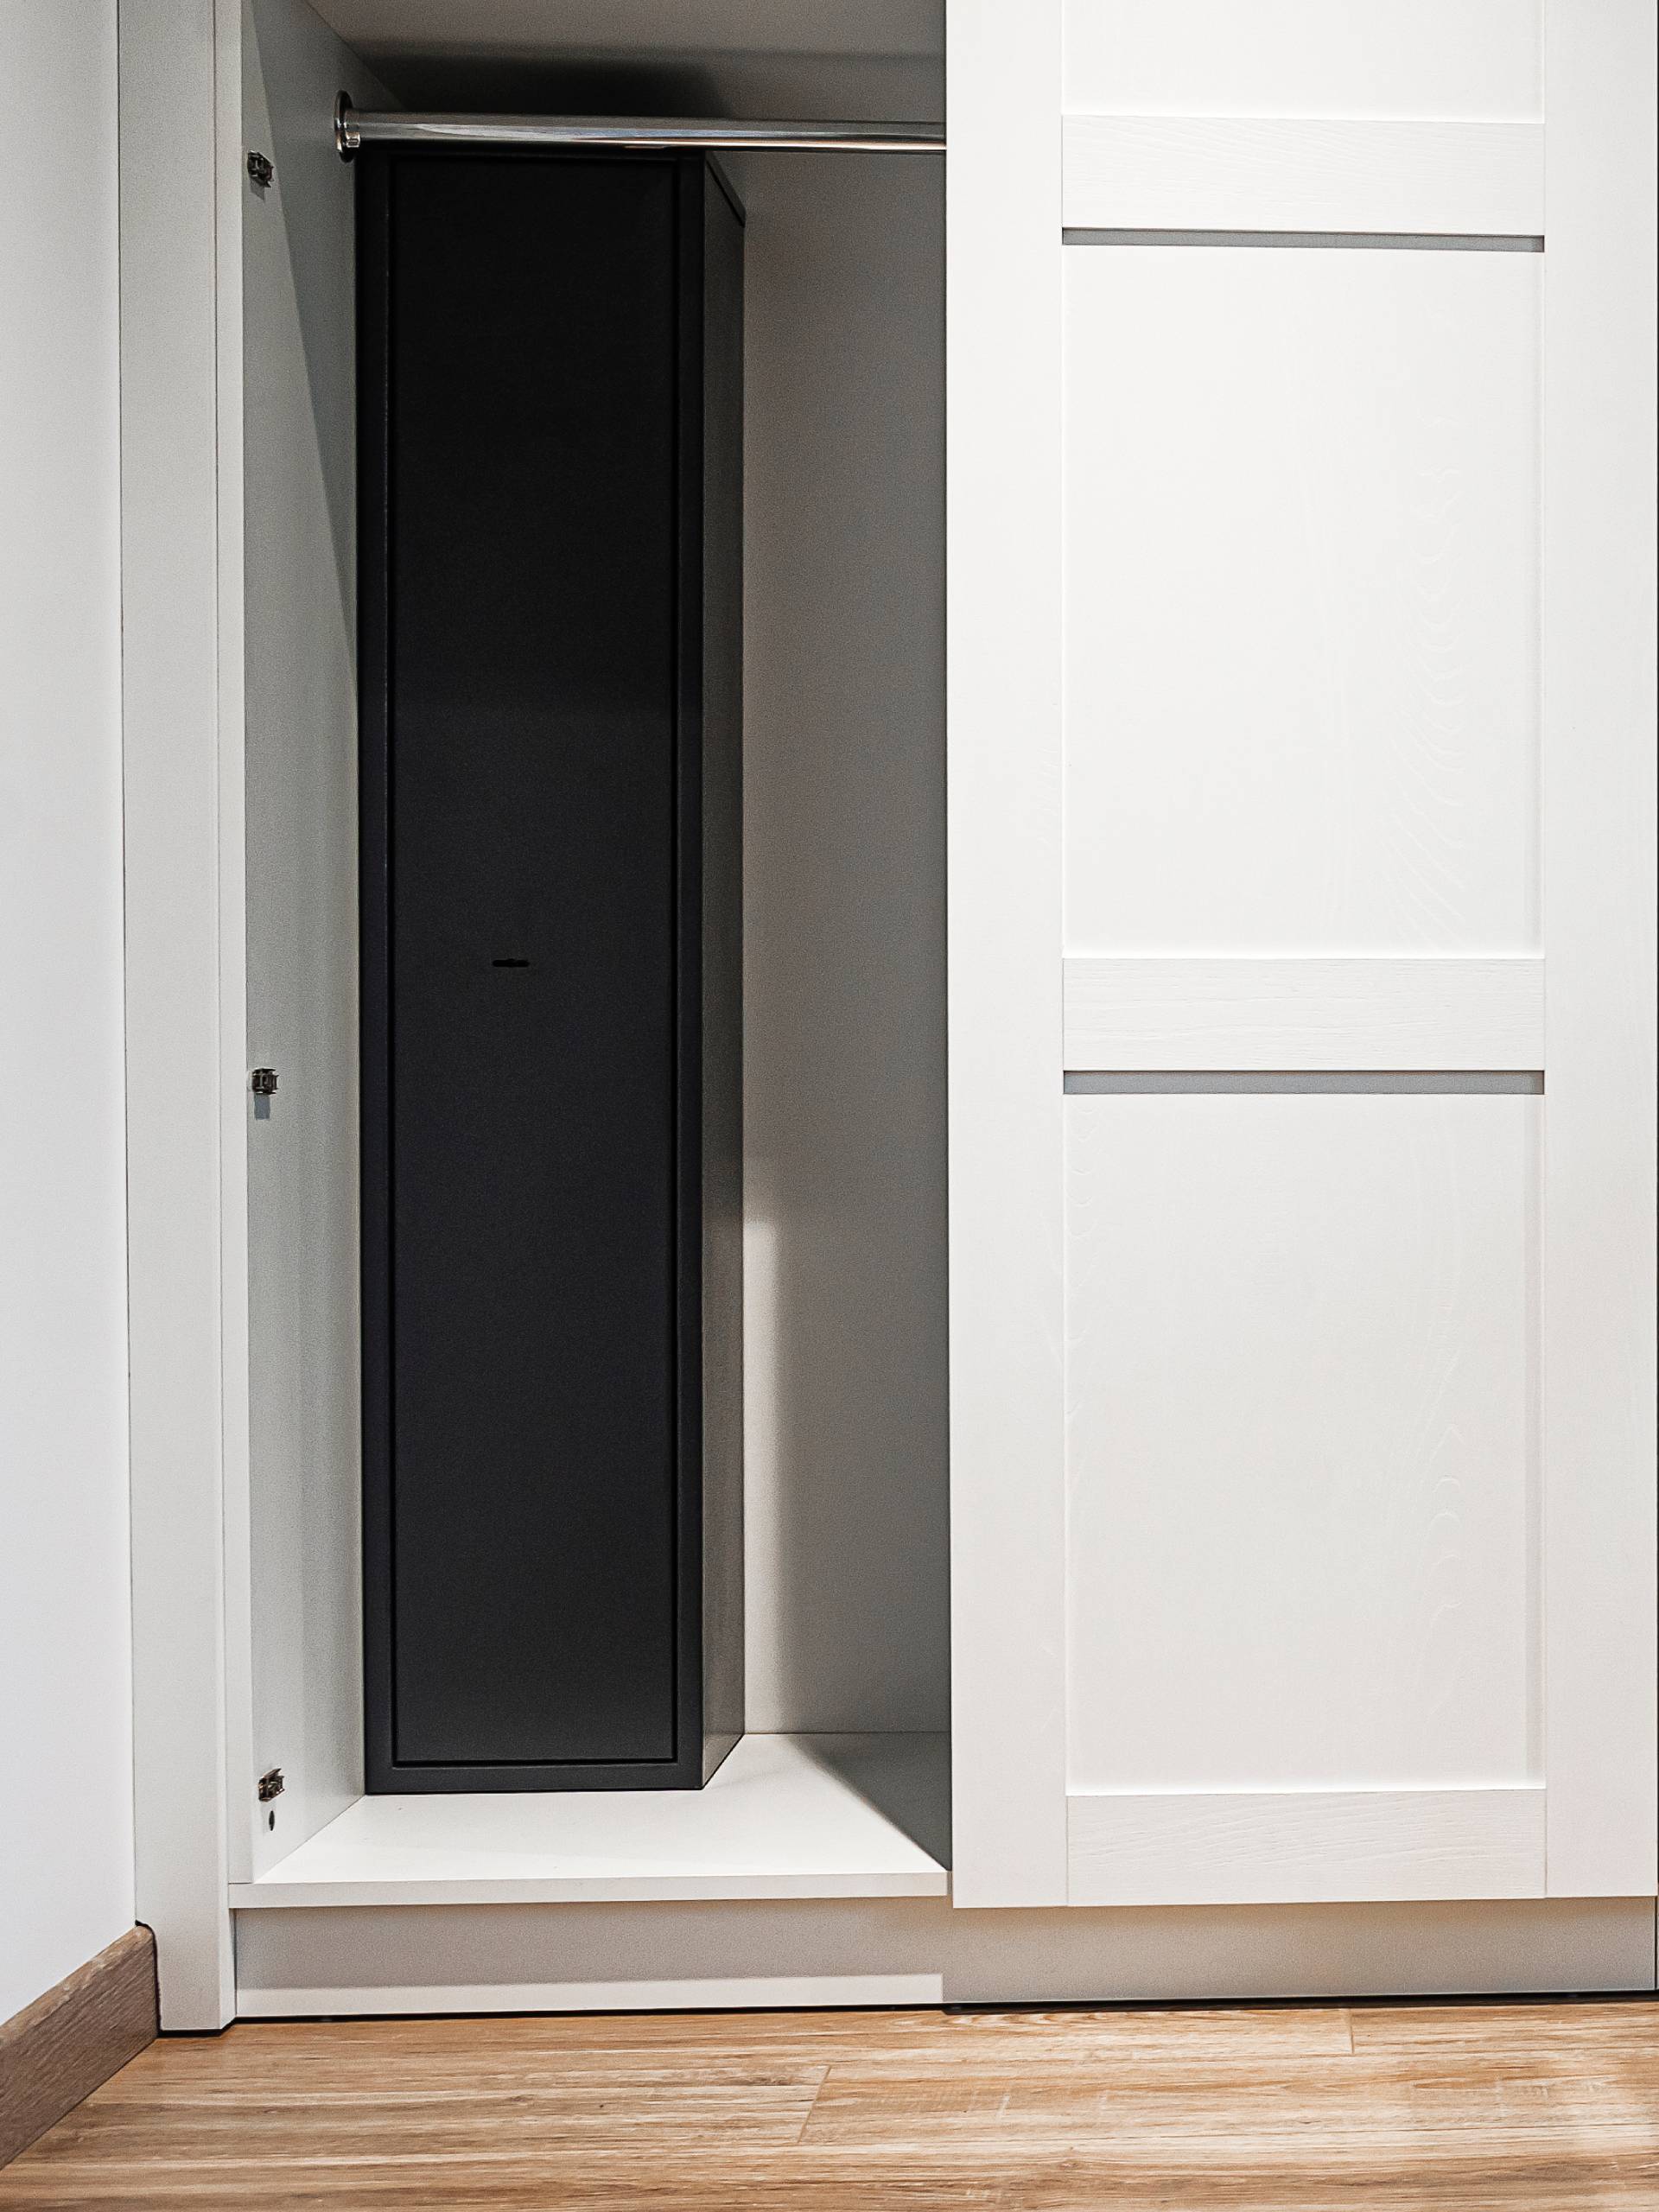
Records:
x=844, y=982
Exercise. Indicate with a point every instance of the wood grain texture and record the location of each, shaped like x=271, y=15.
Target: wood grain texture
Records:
x=58, y=2049
x=1503, y=2108
x=1269, y=1846
x=1304, y=1013
x=1305, y=172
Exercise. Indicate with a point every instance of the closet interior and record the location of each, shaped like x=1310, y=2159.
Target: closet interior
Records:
x=813, y=1759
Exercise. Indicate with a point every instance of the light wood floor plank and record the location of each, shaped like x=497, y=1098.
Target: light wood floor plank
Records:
x=1626, y=2027
x=1544, y=2107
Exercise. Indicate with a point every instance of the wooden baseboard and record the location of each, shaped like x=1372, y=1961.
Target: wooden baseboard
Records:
x=58, y=2049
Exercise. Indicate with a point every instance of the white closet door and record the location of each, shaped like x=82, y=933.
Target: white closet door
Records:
x=1342, y=842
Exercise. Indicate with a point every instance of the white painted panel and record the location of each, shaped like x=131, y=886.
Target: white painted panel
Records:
x=1173, y=1013
x=649, y=28
x=1204, y=172
x=784, y=1817
x=918, y=1951
x=1003, y=852
x=1448, y=58
x=1301, y=600
x=299, y=629
x=1300, y=1496
x=1305, y=1847
x=1599, y=917
x=169, y=154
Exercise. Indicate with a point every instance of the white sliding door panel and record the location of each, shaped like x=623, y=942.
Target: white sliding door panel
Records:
x=1302, y=600
x=1302, y=1495
x=1342, y=829
x=1441, y=58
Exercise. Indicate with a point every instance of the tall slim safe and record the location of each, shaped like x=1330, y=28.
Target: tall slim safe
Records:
x=551, y=456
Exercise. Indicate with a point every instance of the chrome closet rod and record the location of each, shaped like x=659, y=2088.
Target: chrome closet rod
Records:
x=636, y=134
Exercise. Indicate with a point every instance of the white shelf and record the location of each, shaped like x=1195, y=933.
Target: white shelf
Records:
x=787, y=1816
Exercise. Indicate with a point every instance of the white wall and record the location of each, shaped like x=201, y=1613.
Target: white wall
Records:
x=843, y=987
x=66, y=1754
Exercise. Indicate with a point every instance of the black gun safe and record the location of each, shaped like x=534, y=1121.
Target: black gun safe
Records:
x=550, y=460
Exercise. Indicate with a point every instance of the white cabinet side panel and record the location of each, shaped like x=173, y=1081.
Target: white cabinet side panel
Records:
x=170, y=736
x=1442, y=58
x=300, y=656
x=1300, y=1497
x=1002, y=480
x=1302, y=600
x=1599, y=913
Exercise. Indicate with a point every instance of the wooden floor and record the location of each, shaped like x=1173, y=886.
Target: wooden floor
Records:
x=1442, y=2108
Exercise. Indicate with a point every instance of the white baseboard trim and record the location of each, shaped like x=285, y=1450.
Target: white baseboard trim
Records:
x=723, y=1956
